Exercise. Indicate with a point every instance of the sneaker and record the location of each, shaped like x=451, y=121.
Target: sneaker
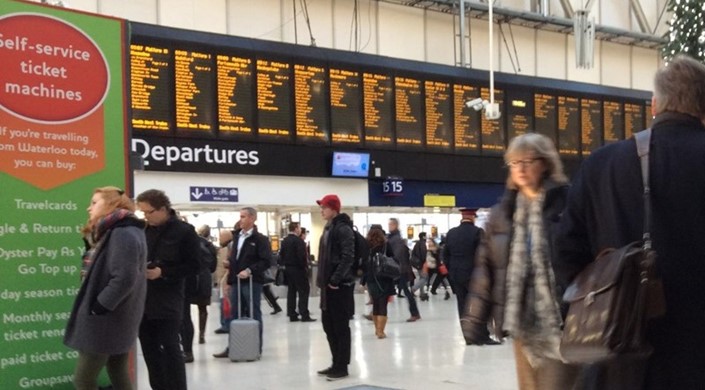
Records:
x=325, y=371
x=337, y=374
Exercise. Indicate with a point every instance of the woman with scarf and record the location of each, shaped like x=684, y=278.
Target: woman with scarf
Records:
x=513, y=279
x=379, y=288
x=108, y=307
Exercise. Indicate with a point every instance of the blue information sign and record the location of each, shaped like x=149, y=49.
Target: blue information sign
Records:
x=213, y=194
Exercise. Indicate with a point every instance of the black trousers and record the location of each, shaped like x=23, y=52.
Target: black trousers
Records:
x=336, y=317
x=187, y=331
x=460, y=288
x=297, y=283
x=162, y=353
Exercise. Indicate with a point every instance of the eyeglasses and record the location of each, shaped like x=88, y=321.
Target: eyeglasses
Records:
x=527, y=162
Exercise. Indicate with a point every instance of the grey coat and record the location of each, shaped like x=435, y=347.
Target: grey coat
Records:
x=117, y=281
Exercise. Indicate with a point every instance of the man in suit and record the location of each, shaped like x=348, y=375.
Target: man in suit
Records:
x=293, y=257
x=249, y=259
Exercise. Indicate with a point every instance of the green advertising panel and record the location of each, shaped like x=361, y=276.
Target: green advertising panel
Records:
x=62, y=134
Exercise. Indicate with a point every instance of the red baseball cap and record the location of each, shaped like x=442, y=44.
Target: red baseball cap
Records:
x=331, y=201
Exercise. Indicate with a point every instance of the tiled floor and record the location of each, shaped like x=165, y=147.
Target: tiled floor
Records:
x=428, y=354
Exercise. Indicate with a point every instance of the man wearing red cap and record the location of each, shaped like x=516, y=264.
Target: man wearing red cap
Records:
x=336, y=252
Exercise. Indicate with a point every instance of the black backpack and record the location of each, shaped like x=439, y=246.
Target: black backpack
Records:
x=362, y=252
x=208, y=254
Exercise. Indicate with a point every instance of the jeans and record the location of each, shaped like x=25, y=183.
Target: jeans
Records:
x=162, y=353
x=404, y=285
x=256, y=300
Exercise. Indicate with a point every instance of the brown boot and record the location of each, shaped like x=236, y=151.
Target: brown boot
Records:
x=381, y=324
x=375, y=319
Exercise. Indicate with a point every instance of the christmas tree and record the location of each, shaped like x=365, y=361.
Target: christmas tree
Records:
x=686, y=33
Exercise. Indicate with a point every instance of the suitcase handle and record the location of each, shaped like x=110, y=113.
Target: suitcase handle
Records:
x=239, y=300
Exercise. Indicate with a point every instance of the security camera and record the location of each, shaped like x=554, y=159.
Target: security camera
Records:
x=492, y=111
x=476, y=104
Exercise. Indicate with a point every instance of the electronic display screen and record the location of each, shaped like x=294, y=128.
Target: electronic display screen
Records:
x=545, y=116
x=467, y=120
x=568, y=125
x=274, y=101
x=613, y=122
x=345, y=107
x=348, y=164
x=195, y=100
x=377, y=109
x=439, y=119
x=151, y=88
x=310, y=104
x=591, y=123
x=235, y=99
x=409, y=113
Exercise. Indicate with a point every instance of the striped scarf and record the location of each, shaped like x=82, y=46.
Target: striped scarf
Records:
x=531, y=311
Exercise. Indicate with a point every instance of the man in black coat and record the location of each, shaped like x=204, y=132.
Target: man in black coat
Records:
x=459, y=255
x=293, y=256
x=172, y=256
x=336, y=251
x=605, y=209
x=401, y=255
x=249, y=259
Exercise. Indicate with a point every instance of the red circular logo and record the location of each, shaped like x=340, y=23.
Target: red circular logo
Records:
x=51, y=71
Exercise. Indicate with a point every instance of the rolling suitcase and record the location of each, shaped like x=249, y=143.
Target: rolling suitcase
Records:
x=243, y=343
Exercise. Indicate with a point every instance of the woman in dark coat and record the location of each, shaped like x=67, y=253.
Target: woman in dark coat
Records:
x=380, y=289
x=108, y=307
x=513, y=278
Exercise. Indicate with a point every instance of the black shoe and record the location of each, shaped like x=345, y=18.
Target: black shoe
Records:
x=276, y=310
x=433, y=292
x=201, y=339
x=401, y=296
x=336, y=374
x=221, y=331
x=294, y=319
x=447, y=297
x=424, y=297
x=491, y=341
x=223, y=354
x=308, y=319
x=325, y=371
x=188, y=357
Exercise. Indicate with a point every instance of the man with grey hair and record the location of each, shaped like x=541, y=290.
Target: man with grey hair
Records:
x=605, y=209
x=249, y=259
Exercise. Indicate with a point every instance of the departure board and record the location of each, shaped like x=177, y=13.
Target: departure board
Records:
x=633, y=119
x=568, y=126
x=274, y=101
x=235, y=108
x=647, y=115
x=409, y=113
x=345, y=98
x=151, y=88
x=591, y=125
x=467, y=120
x=377, y=98
x=613, y=122
x=193, y=75
x=439, y=135
x=493, y=137
x=545, y=116
x=520, y=116
x=310, y=104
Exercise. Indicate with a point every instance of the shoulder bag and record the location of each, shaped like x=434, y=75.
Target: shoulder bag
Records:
x=614, y=296
x=384, y=266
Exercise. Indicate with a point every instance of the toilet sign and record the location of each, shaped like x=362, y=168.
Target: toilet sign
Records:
x=214, y=194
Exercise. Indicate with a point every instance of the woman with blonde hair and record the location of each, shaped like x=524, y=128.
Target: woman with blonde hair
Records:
x=108, y=307
x=513, y=279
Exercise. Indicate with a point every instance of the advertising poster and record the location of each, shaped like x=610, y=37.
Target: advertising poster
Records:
x=62, y=134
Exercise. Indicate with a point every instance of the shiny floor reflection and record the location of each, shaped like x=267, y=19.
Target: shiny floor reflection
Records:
x=427, y=354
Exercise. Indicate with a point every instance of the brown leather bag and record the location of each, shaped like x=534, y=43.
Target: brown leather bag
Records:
x=614, y=296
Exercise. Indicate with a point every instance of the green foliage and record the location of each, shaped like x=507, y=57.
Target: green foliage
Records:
x=686, y=33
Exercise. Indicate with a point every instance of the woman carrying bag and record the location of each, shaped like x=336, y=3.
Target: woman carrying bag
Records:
x=379, y=288
x=513, y=279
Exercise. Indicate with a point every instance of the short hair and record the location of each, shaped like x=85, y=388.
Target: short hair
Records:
x=251, y=211
x=680, y=87
x=155, y=198
x=115, y=198
x=395, y=220
x=375, y=237
x=542, y=147
x=204, y=231
x=293, y=226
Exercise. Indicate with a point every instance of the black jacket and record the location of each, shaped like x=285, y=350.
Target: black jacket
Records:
x=462, y=242
x=419, y=252
x=173, y=247
x=401, y=253
x=605, y=209
x=336, y=257
x=293, y=252
x=255, y=254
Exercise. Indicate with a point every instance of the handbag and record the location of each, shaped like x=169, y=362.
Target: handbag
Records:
x=384, y=266
x=614, y=296
x=280, y=277
x=443, y=269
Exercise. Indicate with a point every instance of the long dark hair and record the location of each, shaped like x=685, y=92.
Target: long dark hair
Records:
x=376, y=238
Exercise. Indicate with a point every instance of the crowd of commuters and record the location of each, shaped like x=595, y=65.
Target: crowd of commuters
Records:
x=508, y=277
